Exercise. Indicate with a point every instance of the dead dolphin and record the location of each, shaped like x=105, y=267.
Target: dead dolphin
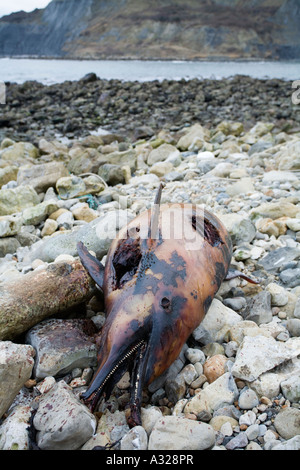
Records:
x=161, y=274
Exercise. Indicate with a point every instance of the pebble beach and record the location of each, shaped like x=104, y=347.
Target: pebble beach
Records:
x=79, y=160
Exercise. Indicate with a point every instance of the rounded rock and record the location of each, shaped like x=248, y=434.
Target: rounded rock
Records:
x=287, y=423
x=195, y=355
x=214, y=367
x=176, y=433
x=135, y=439
x=247, y=418
x=248, y=399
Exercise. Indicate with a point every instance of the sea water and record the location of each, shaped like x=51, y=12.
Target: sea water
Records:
x=57, y=71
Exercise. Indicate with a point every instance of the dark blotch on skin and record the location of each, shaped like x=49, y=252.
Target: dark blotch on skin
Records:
x=207, y=303
x=220, y=273
x=170, y=270
x=178, y=263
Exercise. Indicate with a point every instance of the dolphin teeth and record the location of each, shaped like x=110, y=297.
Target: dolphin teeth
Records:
x=126, y=356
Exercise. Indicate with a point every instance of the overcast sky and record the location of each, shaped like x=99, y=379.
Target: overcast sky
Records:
x=7, y=7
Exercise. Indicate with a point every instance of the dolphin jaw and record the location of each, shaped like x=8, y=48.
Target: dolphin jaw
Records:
x=93, y=394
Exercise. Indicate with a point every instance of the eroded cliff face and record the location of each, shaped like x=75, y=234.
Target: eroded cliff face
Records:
x=44, y=32
x=178, y=29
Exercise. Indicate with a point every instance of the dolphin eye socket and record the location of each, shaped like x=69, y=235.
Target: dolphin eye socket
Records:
x=165, y=303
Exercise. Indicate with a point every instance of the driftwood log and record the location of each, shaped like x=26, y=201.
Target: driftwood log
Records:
x=40, y=294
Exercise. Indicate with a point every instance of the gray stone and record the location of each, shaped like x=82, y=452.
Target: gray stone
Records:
x=61, y=421
x=293, y=326
x=17, y=199
x=220, y=392
x=242, y=186
x=239, y=441
x=274, y=210
x=14, y=431
x=19, y=153
x=8, y=245
x=8, y=173
x=252, y=432
x=148, y=179
x=287, y=423
x=204, y=166
x=269, y=383
x=282, y=176
x=273, y=261
x=10, y=225
x=195, y=355
x=62, y=345
x=216, y=324
x=259, y=354
x=112, y=174
x=291, y=388
x=236, y=303
x=112, y=426
x=173, y=176
x=240, y=227
x=290, y=277
x=193, y=138
x=176, y=388
x=39, y=213
x=248, y=399
x=290, y=444
x=260, y=308
x=297, y=308
x=149, y=417
x=247, y=418
x=279, y=296
x=16, y=364
x=162, y=153
x=96, y=235
x=43, y=176
x=177, y=433
x=135, y=439
x=69, y=187
x=127, y=157
x=66, y=219
x=287, y=157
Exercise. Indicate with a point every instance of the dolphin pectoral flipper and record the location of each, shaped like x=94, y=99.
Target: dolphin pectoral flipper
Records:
x=233, y=273
x=91, y=264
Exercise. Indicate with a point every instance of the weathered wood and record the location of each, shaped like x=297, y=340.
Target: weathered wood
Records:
x=43, y=293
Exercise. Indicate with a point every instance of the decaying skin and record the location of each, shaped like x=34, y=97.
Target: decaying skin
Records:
x=161, y=274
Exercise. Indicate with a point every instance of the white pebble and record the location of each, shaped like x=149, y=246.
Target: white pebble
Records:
x=261, y=418
x=247, y=418
x=64, y=258
x=226, y=429
x=195, y=355
x=252, y=432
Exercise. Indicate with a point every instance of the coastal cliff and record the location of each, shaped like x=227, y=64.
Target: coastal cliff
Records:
x=181, y=29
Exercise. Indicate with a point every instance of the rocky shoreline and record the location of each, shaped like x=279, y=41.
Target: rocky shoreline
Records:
x=141, y=109
x=236, y=383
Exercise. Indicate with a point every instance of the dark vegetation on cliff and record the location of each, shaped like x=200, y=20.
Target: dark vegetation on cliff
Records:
x=178, y=29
